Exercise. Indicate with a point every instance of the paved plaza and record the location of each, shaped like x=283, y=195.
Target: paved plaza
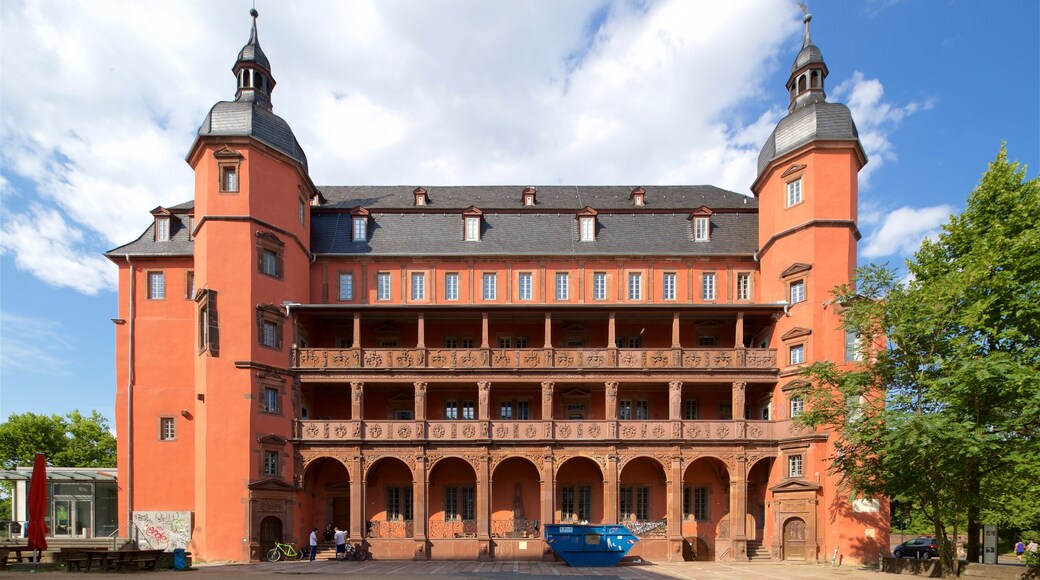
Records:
x=470, y=570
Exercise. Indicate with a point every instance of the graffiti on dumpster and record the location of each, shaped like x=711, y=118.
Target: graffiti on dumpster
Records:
x=163, y=530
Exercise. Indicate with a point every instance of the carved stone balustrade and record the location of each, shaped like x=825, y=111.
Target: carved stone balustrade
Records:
x=547, y=431
x=534, y=358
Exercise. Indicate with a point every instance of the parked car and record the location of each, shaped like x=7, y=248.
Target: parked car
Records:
x=923, y=548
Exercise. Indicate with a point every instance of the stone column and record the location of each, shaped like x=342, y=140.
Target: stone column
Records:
x=739, y=336
x=484, y=401
x=357, y=330
x=484, y=330
x=738, y=507
x=675, y=400
x=611, y=400
x=548, y=330
x=483, y=507
x=610, y=489
x=419, y=517
x=547, y=401
x=547, y=489
x=738, y=400
x=357, y=502
x=674, y=509
x=420, y=402
x=611, y=331
x=357, y=401
x=675, y=330
x=420, y=342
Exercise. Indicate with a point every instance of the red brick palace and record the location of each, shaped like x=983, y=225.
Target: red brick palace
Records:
x=443, y=370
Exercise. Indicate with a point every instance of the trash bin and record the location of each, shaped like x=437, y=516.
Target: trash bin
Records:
x=180, y=562
x=580, y=545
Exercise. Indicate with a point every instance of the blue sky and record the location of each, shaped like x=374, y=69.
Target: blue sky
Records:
x=99, y=102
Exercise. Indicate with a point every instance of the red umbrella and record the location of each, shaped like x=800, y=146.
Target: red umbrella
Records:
x=38, y=505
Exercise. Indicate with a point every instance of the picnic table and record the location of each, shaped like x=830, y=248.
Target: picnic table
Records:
x=14, y=553
x=116, y=560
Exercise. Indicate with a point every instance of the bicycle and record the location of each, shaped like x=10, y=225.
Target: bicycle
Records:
x=288, y=550
x=356, y=552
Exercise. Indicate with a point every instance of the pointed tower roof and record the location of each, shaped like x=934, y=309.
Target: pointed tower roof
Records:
x=810, y=117
x=252, y=52
x=250, y=114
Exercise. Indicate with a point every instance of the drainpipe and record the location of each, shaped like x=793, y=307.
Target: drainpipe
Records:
x=130, y=409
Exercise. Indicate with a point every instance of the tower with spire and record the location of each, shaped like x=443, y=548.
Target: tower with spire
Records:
x=807, y=187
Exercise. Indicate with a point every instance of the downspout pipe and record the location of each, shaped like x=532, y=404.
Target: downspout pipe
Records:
x=130, y=407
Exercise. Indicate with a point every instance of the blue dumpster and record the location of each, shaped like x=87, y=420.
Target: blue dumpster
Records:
x=179, y=561
x=580, y=545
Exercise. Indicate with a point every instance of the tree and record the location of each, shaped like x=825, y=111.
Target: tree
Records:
x=70, y=441
x=944, y=410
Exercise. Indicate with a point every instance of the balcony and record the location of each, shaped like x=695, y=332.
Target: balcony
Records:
x=533, y=358
x=499, y=431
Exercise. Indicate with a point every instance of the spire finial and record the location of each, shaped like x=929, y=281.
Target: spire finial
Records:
x=806, y=19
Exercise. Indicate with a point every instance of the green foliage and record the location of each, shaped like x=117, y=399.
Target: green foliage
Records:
x=1032, y=559
x=944, y=412
x=70, y=441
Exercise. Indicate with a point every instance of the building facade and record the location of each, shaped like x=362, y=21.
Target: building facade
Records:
x=441, y=370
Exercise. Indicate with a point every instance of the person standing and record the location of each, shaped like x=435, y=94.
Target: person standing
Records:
x=314, y=543
x=1020, y=549
x=341, y=544
x=1032, y=547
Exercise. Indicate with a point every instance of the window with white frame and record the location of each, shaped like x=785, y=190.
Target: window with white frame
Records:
x=853, y=347
x=270, y=334
x=271, y=463
x=744, y=286
x=505, y=342
x=270, y=404
x=524, y=286
x=468, y=410
x=300, y=211
x=167, y=429
x=490, y=286
x=451, y=286
x=588, y=229
x=635, y=286
x=418, y=286
x=472, y=229
x=794, y=466
x=162, y=229
x=794, y=192
x=383, y=286
x=708, y=286
x=451, y=342
x=156, y=286
x=228, y=178
x=599, y=286
x=797, y=291
x=798, y=354
x=346, y=286
x=701, y=228
x=451, y=410
x=562, y=285
x=360, y=229
x=797, y=406
x=668, y=290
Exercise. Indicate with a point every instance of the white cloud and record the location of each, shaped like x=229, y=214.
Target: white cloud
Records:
x=902, y=230
x=875, y=119
x=104, y=99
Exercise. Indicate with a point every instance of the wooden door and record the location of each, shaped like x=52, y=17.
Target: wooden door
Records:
x=270, y=532
x=794, y=539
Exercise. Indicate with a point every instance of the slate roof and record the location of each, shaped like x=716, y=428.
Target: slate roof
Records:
x=819, y=121
x=517, y=234
x=554, y=197
x=249, y=118
x=179, y=244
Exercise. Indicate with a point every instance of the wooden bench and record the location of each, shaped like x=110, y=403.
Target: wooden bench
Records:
x=138, y=559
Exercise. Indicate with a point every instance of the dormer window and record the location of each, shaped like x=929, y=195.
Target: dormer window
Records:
x=587, y=224
x=162, y=229
x=528, y=194
x=420, y=196
x=471, y=224
x=359, y=217
x=701, y=218
x=638, y=196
